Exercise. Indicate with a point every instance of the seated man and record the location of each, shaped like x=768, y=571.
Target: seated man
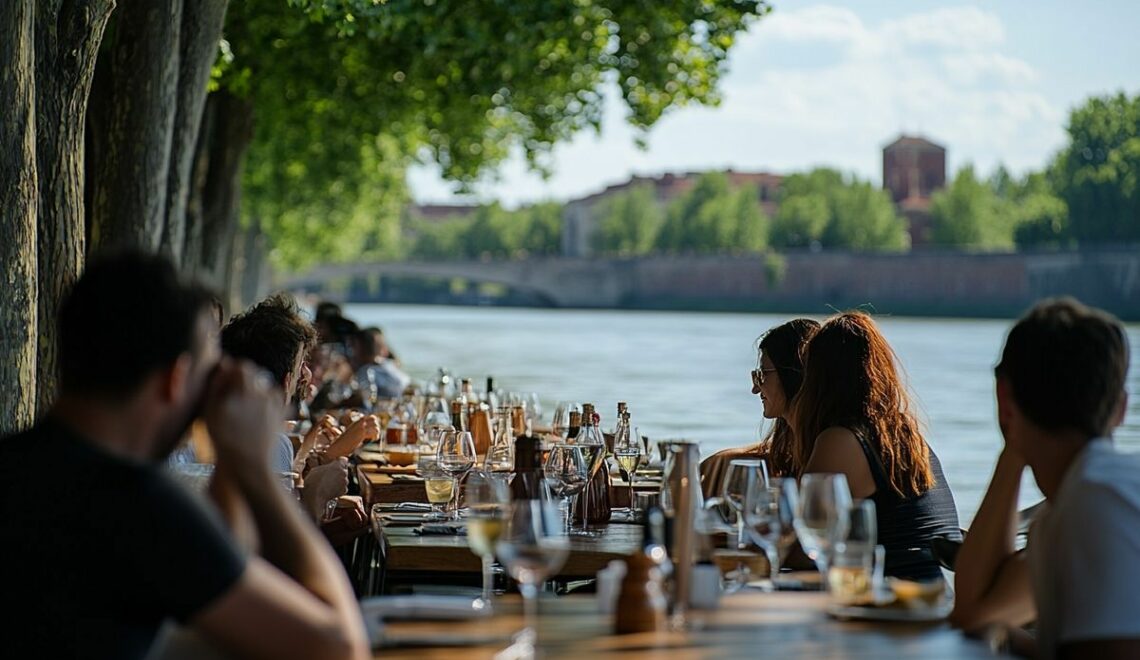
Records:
x=274, y=336
x=96, y=564
x=1060, y=394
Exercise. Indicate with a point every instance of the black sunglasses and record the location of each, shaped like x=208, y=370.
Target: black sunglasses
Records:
x=758, y=376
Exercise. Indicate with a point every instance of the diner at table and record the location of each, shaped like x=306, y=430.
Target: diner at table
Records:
x=477, y=521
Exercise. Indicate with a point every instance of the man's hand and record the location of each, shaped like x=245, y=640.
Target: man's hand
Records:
x=243, y=412
x=322, y=484
x=365, y=429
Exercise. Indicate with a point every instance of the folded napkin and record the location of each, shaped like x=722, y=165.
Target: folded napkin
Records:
x=440, y=529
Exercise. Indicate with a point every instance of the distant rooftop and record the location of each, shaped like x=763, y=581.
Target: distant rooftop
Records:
x=913, y=141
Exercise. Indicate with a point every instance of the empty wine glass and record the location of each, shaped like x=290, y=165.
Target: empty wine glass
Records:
x=561, y=419
x=487, y=499
x=567, y=474
x=769, y=517
x=743, y=475
x=822, y=518
x=533, y=547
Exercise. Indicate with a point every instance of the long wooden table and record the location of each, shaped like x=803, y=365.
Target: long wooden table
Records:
x=388, y=486
x=401, y=549
x=748, y=624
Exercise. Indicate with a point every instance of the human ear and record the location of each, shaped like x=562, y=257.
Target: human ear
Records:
x=175, y=378
x=1121, y=409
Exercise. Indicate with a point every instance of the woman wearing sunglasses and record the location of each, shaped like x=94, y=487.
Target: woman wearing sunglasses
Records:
x=776, y=380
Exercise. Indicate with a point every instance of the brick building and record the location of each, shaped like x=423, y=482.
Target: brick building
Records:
x=913, y=169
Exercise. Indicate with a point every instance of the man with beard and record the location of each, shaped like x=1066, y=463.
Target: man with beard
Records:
x=93, y=567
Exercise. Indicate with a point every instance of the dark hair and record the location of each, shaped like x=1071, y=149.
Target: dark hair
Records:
x=784, y=345
x=327, y=310
x=1067, y=365
x=127, y=316
x=270, y=334
x=850, y=380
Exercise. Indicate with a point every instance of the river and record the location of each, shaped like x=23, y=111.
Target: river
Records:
x=685, y=374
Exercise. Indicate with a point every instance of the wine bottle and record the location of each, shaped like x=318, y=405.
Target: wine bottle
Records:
x=528, y=469
x=594, y=501
x=458, y=419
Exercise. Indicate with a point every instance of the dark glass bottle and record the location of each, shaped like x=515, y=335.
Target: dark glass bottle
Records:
x=528, y=469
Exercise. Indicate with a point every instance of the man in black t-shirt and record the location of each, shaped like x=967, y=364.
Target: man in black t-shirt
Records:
x=100, y=546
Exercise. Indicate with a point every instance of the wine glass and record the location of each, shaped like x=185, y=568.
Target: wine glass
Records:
x=440, y=488
x=456, y=453
x=851, y=575
x=487, y=499
x=769, y=517
x=627, y=454
x=567, y=474
x=821, y=517
x=743, y=475
x=533, y=547
x=534, y=408
x=561, y=419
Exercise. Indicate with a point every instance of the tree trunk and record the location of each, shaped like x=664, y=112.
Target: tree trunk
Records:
x=129, y=172
x=198, y=48
x=67, y=38
x=195, y=215
x=231, y=131
x=17, y=217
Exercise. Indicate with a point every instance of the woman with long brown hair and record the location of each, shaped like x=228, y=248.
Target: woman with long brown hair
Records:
x=853, y=416
x=776, y=379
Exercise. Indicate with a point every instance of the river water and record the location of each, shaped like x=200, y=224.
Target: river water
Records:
x=685, y=374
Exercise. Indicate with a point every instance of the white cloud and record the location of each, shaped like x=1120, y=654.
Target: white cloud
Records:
x=821, y=85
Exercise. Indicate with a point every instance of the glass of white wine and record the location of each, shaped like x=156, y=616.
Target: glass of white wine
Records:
x=455, y=453
x=440, y=488
x=627, y=454
x=487, y=499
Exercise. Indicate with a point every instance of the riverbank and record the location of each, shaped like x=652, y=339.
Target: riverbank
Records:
x=921, y=283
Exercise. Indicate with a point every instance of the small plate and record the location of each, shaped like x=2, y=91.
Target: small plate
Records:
x=873, y=613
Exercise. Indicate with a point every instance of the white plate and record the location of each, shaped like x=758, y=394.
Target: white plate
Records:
x=870, y=613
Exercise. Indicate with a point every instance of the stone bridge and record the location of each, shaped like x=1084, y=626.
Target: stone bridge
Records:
x=563, y=282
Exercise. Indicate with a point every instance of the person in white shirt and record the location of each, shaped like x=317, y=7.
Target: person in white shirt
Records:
x=1060, y=394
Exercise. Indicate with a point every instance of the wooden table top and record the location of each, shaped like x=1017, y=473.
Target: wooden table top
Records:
x=748, y=624
x=404, y=550
x=393, y=485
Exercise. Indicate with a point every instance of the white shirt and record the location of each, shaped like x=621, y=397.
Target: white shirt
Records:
x=1084, y=552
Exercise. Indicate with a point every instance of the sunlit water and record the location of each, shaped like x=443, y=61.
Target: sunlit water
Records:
x=685, y=374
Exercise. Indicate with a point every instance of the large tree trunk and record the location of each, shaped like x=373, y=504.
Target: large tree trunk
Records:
x=67, y=38
x=230, y=122
x=198, y=48
x=17, y=217
x=129, y=171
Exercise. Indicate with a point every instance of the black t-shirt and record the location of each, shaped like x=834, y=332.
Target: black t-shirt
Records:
x=98, y=550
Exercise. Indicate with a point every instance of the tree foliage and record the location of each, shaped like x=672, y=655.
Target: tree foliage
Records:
x=1098, y=173
x=969, y=214
x=459, y=84
x=714, y=217
x=822, y=208
x=627, y=223
x=490, y=232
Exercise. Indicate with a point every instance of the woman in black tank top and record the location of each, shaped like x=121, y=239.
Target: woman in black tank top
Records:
x=853, y=416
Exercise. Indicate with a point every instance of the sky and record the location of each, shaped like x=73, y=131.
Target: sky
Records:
x=829, y=84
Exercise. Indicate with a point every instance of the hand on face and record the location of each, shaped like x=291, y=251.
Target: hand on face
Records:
x=243, y=412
